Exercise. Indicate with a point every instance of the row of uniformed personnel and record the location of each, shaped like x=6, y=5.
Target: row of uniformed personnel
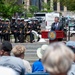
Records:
x=19, y=29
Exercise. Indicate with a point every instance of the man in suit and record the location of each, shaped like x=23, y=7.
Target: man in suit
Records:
x=56, y=25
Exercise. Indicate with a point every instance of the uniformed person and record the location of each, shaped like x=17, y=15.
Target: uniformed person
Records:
x=21, y=31
x=6, y=30
x=37, y=27
x=25, y=31
x=1, y=30
x=14, y=29
x=3, y=22
x=29, y=32
x=22, y=26
x=33, y=25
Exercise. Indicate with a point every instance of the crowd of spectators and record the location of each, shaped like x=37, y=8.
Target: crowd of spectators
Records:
x=55, y=59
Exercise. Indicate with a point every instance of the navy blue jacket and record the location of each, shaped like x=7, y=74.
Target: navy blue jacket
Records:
x=59, y=27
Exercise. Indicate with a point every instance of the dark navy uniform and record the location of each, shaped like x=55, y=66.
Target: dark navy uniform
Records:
x=25, y=30
x=19, y=29
x=14, y=29
x=6, y=32
x=29, y=32
x=2, y=20
x=1, y=27
x=21, y=32
x=37, y=27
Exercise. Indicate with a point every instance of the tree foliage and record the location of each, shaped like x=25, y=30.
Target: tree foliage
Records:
x=69, y=3
x=9, y=7
x=33, y=9
x=46, y=7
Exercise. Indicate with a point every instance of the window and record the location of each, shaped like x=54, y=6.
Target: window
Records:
x=55, y=5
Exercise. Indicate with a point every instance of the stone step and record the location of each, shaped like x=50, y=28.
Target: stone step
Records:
x=31, y=49
x=32, y=46
x=30, y=55
x=30, y=52
x=31, y=60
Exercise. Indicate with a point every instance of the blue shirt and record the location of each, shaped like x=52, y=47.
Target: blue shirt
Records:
x=14, y=63
x=37, y=66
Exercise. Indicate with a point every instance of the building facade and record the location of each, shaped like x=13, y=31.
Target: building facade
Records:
x=55, y=6
x=20, y=1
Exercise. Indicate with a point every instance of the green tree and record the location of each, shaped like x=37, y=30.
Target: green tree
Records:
x=9, y=7
x=46, y=7
x=70, y=4
x=33, y=9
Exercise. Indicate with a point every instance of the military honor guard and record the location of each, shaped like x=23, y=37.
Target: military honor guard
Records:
x=6, y=30
x=1, y=30
x=14, y=29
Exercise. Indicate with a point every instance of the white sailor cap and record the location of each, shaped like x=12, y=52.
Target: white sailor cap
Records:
x=7, y=20
x=13, y=18
x=18, y=19
x=22, y=18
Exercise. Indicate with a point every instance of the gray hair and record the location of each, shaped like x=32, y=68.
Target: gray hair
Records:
x=18, y=50
x=58, y=58
x=57, y=17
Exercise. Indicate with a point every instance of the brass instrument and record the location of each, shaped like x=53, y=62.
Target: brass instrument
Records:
x=4, y=31
x=8, y=29
x=20, y=30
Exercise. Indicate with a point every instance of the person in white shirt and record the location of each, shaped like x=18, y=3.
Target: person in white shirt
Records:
x=19, y=51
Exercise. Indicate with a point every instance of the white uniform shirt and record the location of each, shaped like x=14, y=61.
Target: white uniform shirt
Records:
x=27, y=66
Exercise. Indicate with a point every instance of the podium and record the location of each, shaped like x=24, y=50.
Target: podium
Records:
x=53, y=36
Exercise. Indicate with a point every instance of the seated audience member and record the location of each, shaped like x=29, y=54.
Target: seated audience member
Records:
x=37, y=65
x=19, y=51
x=71, y=45
x=7, y=61
x=58, y=59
